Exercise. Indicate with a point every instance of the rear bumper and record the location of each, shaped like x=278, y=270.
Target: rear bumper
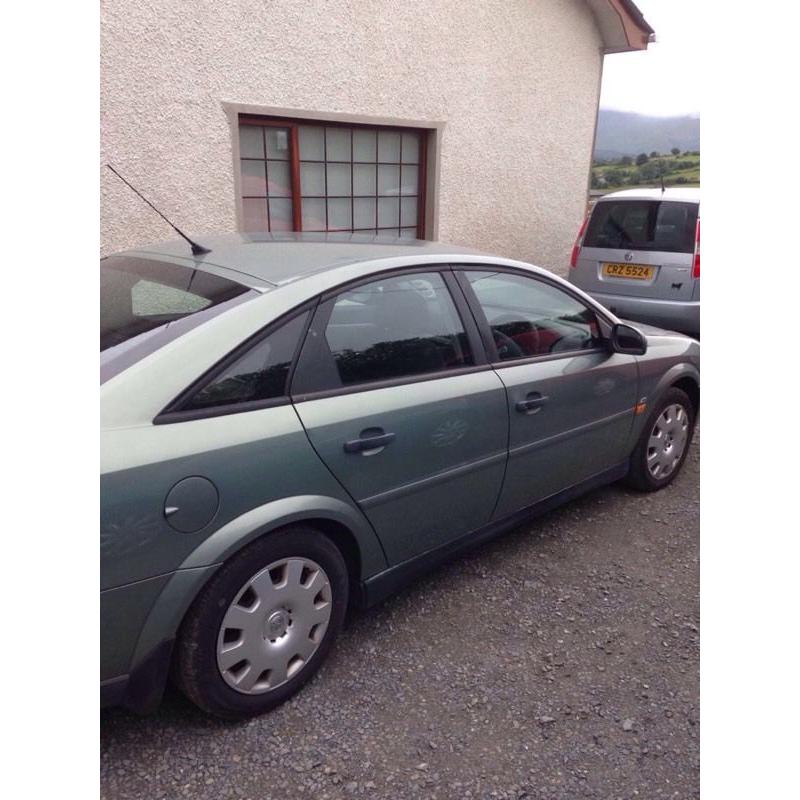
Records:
x=141, y=691
x=114, y=691
x=138, y=625
x=669, y=314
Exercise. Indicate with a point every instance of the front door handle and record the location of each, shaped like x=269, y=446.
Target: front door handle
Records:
x=369, y=442
x=532, y=404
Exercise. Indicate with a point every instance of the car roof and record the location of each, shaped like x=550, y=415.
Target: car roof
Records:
x=688, y=195
x=279, y=258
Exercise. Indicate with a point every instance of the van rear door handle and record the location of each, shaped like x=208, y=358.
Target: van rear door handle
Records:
x=369, y=442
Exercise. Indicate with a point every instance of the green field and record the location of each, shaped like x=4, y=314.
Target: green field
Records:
x=678, y=170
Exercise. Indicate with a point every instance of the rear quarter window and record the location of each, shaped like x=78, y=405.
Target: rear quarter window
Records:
x=662, y=225
x=259, y=374
x=145, y=303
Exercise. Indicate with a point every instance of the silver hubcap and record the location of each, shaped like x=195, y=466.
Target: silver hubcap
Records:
x=274, y=625
x=667, y=441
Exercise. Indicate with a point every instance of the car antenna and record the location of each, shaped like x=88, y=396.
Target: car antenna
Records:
x=197, y=249
x=661, y=174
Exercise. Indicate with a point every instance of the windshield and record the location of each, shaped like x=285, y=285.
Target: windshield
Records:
x=665, y=225
x=145, y=303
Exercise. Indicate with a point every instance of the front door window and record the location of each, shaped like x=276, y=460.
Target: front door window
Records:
x=532, y=318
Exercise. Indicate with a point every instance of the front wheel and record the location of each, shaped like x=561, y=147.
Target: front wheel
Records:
x=263, y=625
x=661, y=450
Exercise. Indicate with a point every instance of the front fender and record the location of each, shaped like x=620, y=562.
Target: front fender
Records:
x=652, y=389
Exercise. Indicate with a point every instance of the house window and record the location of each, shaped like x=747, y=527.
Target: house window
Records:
x=305, y=176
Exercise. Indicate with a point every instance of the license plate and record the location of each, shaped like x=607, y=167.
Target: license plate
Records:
x=638, y=272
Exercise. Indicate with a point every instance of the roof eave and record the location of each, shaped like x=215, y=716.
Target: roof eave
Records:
x=622, y=27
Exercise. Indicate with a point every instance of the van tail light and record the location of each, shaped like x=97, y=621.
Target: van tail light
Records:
x=696, y=266
x=578, y=242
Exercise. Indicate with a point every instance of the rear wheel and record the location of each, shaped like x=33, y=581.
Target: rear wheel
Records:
x=661, y=450
x=263, y=625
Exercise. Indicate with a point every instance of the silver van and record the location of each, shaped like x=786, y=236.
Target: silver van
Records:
x=638, y=253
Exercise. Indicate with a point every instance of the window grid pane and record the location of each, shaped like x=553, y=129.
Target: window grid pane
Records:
x=279, y=181
x=251, y=142
x=265, y=176
x=254, y=178
x=312, y=179
x=280, y=214
x=277, y=143
x=350, y=178
x=365, y=145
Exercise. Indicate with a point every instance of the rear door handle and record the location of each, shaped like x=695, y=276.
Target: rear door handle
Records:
x=532, y=404
x=369, y=442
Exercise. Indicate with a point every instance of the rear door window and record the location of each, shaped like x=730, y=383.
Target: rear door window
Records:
x=395, y=327
x=665, y=226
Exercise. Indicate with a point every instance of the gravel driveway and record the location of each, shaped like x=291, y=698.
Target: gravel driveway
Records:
x=559, y=661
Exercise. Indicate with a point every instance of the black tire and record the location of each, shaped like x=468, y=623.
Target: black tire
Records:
x=195, y=667
x=639, y=476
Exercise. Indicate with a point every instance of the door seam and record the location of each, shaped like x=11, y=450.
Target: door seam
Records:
x=344, y=488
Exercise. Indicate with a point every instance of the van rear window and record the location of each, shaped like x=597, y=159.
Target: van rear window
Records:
x=665, y=225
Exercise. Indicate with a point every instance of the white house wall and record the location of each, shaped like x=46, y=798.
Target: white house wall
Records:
x=512, y=84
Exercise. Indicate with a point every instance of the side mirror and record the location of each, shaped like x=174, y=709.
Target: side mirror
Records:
x=627, y=339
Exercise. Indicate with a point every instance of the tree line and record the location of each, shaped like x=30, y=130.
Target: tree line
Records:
x=644, y=168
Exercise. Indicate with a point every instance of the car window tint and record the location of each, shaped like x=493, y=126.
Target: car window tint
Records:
x=139, y=296
x=146, y=303
x=528, y=317
x=666, y=226
x=151, y=299
x=396, y=327
x=260, y=374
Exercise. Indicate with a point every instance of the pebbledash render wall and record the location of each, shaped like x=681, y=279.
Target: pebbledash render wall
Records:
x=509, y=87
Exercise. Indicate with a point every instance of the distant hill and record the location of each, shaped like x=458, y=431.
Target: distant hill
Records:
x=621, y=133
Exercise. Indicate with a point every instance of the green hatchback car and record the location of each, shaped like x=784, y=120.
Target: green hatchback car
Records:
x=296, y=424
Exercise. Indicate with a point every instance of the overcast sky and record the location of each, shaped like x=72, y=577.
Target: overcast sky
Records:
x=662, y=80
